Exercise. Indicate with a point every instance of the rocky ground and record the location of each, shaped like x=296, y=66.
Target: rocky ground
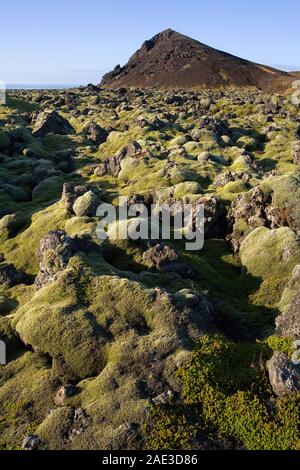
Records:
x=119, y=345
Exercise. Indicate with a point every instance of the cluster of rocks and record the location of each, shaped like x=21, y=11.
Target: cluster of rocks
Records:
x=81, y=200
x=54, y=252
x=223, y=179
x=78, y=422
x=218, y=126
x=215, y=223
x=284, y=368
x=162, y=258
x=258, y=209
x=112, y=165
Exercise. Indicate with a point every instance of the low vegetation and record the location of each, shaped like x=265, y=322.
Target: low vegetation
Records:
x=121, y=345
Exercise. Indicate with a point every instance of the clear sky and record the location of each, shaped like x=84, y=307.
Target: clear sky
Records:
x=72, y=41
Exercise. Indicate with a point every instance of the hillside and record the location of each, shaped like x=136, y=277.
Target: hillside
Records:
x=173, y=60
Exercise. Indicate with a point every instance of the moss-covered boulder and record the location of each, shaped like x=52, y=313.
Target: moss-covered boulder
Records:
x=10, y=224
x=21, y=134
x=16, y=193
x=266, y=253
x=4, y=140
x=48, y=189
x=78, y=318
x=103, y=328
x=86, y=205
x=285, y=191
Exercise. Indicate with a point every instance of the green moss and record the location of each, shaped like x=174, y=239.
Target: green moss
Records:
x=103, y=315
x=286, y=190
x=241, y=228
x=224, y=364
x=4, y=140
x=55, y=427
x=49, y=189
x=86, y=310
x=56, y=143
x=270, y=292
x=267, y=253
x=230, y=190
x=218, y=381
x=28, y=379
x=21, y=250
x=80, y=225
x=280, y=344
x=248, y=143
x=86, y=205
x=21, y=105
x=10, y=225
x=6, y=305
x=186, y=189
x=117, y=140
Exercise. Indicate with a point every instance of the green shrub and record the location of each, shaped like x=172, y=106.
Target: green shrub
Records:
x=167, y=428
x=226, y=384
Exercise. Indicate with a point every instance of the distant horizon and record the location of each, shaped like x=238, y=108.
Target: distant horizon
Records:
x=60, y=85
x=32, y=86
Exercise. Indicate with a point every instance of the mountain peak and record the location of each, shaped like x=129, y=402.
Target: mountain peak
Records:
x=172, y=60
x=169, y=33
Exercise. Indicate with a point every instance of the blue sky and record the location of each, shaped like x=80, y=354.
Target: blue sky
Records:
x=71, y=41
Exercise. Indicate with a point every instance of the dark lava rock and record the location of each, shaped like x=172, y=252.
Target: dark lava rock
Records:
x=223, y=179
x=31, y=442
x=250, y=206
x=51, y=122
x=130, y=150
x=165, y=259
x=112, y=165
x=284, y=376
x=258, y=209
x=80, y=423
x=96, y=134
x=54, y=253
x=93, y=88
x=288, y=324
x=9, y=276
x=136, y=199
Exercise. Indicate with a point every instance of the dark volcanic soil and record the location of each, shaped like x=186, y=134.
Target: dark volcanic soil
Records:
x=173, y=60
